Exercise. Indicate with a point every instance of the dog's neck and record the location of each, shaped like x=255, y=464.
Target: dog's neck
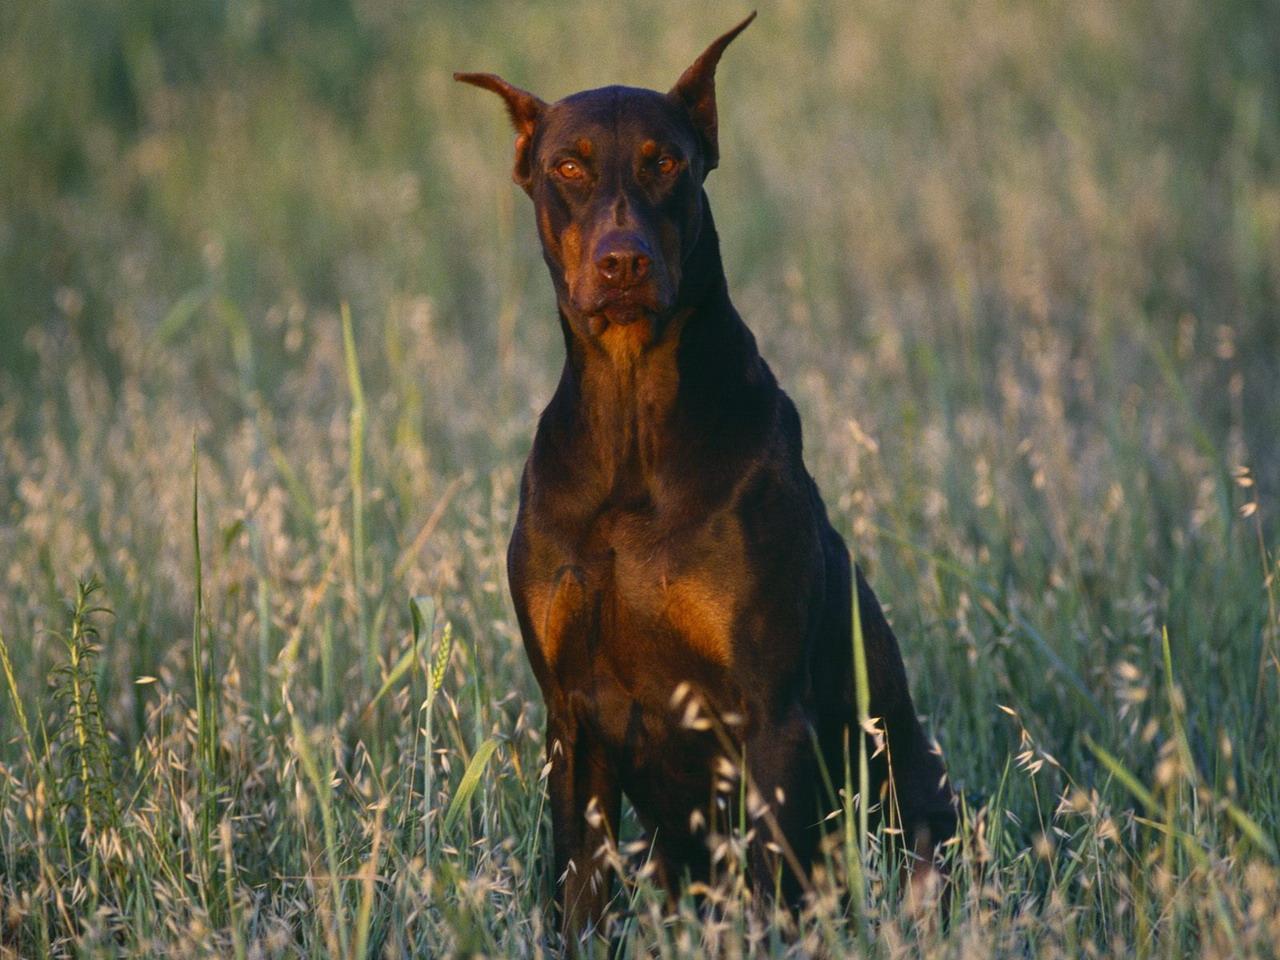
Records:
x=628, y=393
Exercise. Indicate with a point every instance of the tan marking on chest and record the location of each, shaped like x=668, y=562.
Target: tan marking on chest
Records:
x=702, y=613
x=624, y=344
x=558, y=610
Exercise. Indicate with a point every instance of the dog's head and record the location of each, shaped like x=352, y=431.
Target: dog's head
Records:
x=616, y=180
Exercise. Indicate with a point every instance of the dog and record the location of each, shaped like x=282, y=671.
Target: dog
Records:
x=683, y=599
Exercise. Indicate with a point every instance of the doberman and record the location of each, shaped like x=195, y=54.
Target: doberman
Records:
x=683, y=598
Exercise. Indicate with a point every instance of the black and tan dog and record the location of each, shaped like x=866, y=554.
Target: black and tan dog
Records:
x=670, y=545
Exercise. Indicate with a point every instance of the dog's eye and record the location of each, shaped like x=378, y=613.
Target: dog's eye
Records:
x=667, y=165
x=570, y=170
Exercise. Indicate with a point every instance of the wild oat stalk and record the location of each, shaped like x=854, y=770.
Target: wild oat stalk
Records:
x=855, y=855
x=203, y=675
x=322, y=786
x=229, y=876
x=368, y=888
x=38, y=762
x=435, y=680
x=35, y=759
x=86, y=749
x=357, y=493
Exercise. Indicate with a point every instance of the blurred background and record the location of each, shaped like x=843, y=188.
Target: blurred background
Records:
x=957, y=175
x=1017, y=262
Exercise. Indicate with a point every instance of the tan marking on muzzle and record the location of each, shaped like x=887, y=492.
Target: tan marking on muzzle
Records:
x=669, y=243
x=571, y=255
x=548, y=235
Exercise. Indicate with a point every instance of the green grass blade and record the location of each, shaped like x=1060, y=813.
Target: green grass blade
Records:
x=356, y=388
x=470, y=780
x=1121, y=773
x=422, y=611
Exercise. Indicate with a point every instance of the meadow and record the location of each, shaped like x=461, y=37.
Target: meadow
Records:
x=274, y=332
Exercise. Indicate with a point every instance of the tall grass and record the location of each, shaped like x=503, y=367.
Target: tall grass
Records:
x=1019, y=266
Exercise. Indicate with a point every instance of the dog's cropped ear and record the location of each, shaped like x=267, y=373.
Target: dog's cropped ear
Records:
x=525, y=110
x=696, y=89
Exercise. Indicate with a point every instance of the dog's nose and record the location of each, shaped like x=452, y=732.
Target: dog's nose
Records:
x=622, y=259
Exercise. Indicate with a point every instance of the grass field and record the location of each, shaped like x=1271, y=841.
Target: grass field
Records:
x=1017, y=263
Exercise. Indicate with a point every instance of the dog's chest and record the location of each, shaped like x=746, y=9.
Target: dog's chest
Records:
x=665, y=591
x=661, y=608
x=636, y=597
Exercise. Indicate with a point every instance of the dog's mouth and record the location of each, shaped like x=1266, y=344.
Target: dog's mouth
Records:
x=624, y=307
x=623, y=314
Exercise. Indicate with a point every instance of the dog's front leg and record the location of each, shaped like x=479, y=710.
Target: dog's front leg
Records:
x=781, y=805
x=585, y=804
